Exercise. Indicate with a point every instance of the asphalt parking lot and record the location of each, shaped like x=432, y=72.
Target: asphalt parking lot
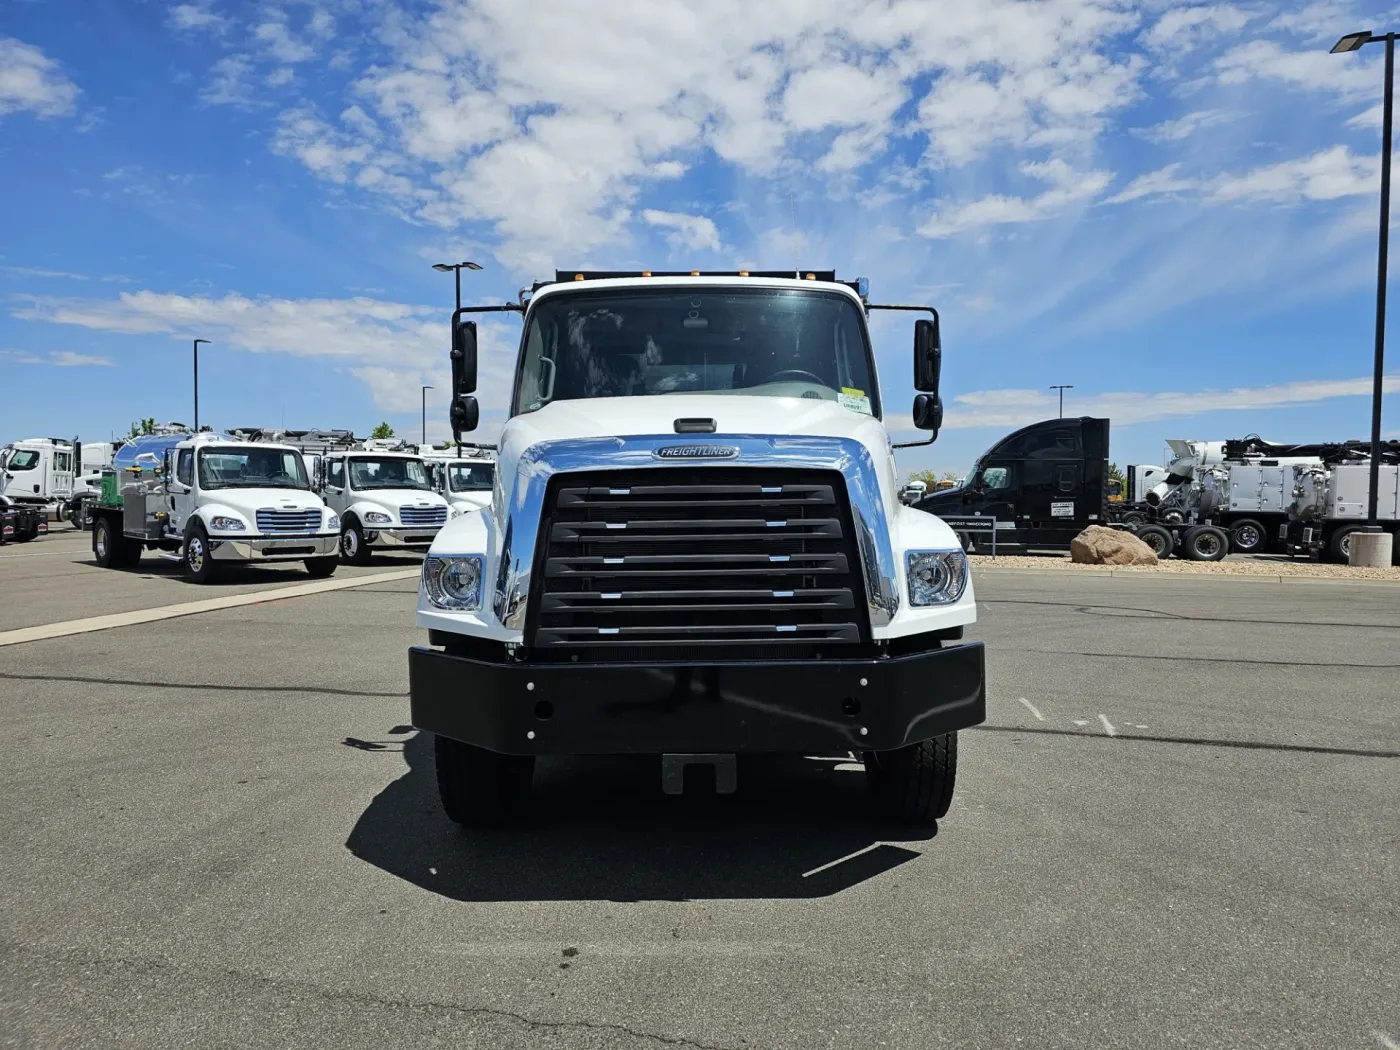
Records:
x=1180, y=827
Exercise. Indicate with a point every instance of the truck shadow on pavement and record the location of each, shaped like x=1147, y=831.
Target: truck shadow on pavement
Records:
x=601, y=829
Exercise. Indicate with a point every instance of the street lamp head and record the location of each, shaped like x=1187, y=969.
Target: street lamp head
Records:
x=1352, y=42
x=198, y=341
x=472, y=265
x=442, y=267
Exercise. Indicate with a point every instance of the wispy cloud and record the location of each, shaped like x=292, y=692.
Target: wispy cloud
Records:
x=56, y=358
x=38, y=271
x=32, y=82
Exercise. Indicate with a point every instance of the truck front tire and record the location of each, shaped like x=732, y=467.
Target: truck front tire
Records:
x=353, y=548
x=104, y=544
x=914, y=783
x=1205, y=543
x=480, y=788
x=200, y=566
x=320, y=568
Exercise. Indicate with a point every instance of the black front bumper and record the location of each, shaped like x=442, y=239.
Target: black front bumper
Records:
x=589, y=709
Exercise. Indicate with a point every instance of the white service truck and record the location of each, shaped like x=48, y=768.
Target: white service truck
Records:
x=385, y=499
x=698, y=550
x=38, y=472
x=1330, y=501
x=211, y=501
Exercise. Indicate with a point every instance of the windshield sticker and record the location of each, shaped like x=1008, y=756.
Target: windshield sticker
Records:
x=855, y=400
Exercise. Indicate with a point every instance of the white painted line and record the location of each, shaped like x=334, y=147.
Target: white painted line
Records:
x=169, y=612
x=45, y=554
x=1107, y=725
x=1031, y=708
x=1385, y=1040
x=1081, y=721
x=840, y=860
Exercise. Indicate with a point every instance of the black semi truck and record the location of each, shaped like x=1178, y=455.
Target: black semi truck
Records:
x=1041, y=486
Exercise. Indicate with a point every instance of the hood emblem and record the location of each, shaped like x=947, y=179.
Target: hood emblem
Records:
x=696, y=452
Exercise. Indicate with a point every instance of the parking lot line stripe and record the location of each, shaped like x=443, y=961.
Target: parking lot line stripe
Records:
x=1108, y=726
x=169, y=612
x=1031, y=708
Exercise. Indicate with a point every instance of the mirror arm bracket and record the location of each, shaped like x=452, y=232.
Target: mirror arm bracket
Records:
x=915, y=444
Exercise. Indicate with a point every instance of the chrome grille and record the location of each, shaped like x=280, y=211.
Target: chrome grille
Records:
x=418, y=516
x=288, y=521
x=710, y=563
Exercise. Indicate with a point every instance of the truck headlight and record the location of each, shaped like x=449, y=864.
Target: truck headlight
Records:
x=453, y=581
x=936, y=577
x=333, y=523
x=376, y=517
x=220, y=523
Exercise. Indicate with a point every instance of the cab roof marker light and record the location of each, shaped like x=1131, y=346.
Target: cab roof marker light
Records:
x=578, y=277
x=811, y=277
x=646, y=273
x=695, y=273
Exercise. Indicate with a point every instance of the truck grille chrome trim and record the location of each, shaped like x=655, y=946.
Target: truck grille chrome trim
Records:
x=272, y=522
x=522, y=509
x=417, y=517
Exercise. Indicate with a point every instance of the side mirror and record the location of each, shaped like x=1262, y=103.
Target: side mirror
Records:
x=928, y=412
x=465, y=414
x=464, y=358
x=928, y=356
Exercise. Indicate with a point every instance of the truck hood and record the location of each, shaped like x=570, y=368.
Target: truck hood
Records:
x=249, y=501
x=396, y=498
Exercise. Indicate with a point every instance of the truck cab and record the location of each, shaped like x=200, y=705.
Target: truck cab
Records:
x=209, y=500
x=698, y=548
x=467, y=484
x=38, y=472
x=1038, y=487
x=385, y=500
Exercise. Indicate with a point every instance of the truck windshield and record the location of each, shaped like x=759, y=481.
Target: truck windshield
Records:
x=388, y=472
x=470, y=477
x=20, y=459
x=251, y=468
x=764, y=342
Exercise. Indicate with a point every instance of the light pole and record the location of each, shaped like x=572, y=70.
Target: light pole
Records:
x=1062, y=387
x=1349, y=43
x=457, y=269
x=425, y=414
x=196, y=382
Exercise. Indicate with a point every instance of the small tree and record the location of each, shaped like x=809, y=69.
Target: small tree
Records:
x=383, y=431
x=145, y=426
x=949, y=475
x=928, y=477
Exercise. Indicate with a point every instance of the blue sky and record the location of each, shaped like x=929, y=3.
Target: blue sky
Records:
x=1170, y=206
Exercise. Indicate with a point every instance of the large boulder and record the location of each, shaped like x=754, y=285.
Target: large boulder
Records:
x=1097, y=545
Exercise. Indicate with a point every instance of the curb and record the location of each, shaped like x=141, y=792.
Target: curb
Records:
x=1258, y=577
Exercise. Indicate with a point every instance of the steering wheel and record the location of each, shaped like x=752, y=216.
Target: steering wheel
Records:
x=776, y=377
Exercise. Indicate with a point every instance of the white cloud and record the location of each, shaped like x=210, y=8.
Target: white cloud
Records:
x=326, y=151
x=1154, y=184
x=1347, y=76
x=228, y=82
x=197, y=16
x=390, y=346
x=1185, y=126
x=1182, y=28
x=549, y=130
x=1068, y=187
x=1015, y=407
x=36, y=271
x=32, y=82
x=281, y=45
x=1324, y=176
x=1369, y=118
x=688, y=231
x=56, y=358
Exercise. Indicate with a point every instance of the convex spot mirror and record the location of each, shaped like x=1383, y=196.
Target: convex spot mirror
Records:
x=928, y=356
x=465, y=414
x=928, y=412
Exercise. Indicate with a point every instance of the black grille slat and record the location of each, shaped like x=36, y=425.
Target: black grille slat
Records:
x=674, y=559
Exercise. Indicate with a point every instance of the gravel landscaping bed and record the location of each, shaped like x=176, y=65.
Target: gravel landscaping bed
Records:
x=1234, y=566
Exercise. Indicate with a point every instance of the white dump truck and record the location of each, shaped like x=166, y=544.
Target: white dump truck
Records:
x=210, y=501
x=698, y=550
x=385, y=499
